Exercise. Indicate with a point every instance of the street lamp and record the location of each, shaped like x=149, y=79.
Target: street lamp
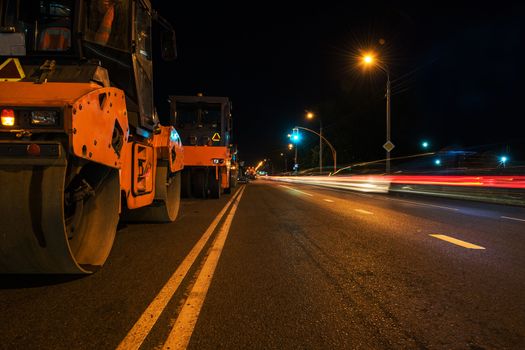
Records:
x=285, y=169
x=369, y=60
x=310, y=115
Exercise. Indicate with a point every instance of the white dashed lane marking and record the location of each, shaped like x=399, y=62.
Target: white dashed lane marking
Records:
x=511, y=218
x=296, y=190
x=362, y=211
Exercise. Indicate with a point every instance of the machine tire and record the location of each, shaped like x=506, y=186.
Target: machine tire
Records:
x=51, y=225
x=93, y=236
x=165, y=206
x=186, y=183
x=214, y=184
x=199, y=183
x=231, y=184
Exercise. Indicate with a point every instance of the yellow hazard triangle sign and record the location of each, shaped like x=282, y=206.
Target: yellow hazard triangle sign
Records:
x=216, y=137
x=11, y=70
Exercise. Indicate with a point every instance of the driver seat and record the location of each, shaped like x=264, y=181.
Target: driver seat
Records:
x=55, y=39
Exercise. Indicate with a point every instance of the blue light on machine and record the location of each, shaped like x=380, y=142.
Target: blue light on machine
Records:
x=437, y=162
x=174, y=136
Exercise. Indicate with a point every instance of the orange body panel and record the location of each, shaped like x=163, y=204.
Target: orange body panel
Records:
x=131, y=178
x=139, y=165
x=143, y=169
x=169, y=147
x=45, y=95
x=204, y=155
x=91, y=115
x=225, y=176
x=95, y=118
x=88, y=123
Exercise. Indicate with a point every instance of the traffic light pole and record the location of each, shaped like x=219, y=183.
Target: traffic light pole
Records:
x=295, y=159
x=320, y=147
x=387, y=121
x=334, y=153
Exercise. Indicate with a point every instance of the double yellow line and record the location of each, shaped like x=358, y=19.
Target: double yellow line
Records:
x=181, y=332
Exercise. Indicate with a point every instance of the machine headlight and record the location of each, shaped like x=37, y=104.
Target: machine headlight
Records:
x=217, y=161
x=45, y=118
x=7, y=117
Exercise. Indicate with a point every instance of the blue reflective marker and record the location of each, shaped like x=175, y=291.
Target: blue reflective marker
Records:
x=437, y=162
x=424, y=144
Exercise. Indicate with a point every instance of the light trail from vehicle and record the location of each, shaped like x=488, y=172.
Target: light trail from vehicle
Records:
x=362, y=184
x=379, y=183
x=491, y=188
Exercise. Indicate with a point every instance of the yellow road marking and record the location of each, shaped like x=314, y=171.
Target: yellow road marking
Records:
x=181, y=332
x=149, y=317
x=458, y=242
x=362, y=211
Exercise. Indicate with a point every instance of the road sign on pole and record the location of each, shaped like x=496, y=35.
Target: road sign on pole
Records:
x=388, y=146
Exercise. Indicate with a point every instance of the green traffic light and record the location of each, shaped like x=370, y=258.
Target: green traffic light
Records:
x=296, y=137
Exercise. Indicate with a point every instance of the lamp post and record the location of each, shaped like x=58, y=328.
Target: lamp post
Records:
x=311, y=115
x=334, y=153
x=369, y=59
x=285, y=169
x=290, y=147
x=295, y=165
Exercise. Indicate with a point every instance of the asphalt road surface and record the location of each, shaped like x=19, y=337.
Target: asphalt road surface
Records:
x=281, y=266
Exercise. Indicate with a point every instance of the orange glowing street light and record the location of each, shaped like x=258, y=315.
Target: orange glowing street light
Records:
x=369, y=60
x=311, y=115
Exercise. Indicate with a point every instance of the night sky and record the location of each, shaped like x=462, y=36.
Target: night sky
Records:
x=457, y=74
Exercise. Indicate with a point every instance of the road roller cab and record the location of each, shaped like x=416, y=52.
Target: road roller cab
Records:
x=80, y=142
x=205, y=126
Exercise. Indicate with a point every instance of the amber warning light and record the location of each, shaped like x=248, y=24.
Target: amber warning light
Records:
x=8, y=117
